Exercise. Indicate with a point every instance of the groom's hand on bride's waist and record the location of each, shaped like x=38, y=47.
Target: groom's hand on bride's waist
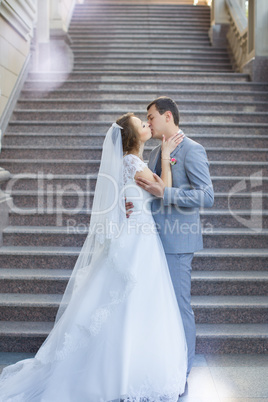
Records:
x=157, y=188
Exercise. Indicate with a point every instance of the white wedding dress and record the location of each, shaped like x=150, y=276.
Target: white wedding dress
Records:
x=121, y=336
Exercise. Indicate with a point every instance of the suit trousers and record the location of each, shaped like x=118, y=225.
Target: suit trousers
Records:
x=180, y=271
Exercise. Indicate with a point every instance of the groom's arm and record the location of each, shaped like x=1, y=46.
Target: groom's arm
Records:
x=201, y=194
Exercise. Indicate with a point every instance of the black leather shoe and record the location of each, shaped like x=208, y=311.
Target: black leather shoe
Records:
x=185, y=390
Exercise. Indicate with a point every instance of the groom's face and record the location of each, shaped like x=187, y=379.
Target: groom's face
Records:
x=157, y=122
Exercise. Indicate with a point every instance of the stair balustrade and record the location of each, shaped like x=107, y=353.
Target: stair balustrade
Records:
x=4, y=200
x=240, y=35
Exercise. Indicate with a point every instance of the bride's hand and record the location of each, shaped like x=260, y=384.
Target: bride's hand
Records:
x=169, y=145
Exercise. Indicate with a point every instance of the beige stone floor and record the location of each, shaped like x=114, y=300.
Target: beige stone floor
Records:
x=214, y=378
x=228, y=378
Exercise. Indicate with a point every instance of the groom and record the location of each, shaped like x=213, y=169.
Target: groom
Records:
x=176, y=208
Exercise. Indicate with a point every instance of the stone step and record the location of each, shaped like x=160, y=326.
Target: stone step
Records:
x=75, y=200
x=177, y=23
x=156, y=24
x=88, y=139
x=180, y=6
x=110, y=5
x=209, y=218
x=50, y=217
x=158, y=17
x=142, y=11
x=230, y=309
x=46, y=236
x=240, y=201
x=154, y=31
x=233, y=283
x=155, y=27
x=96, y=127
x=27, y=337
x=117, y=16
x=165, y=22
x=157, y=48
x=184, y=67
x=162, y=22
x=146, y=86
x=23, y=336
x=65, y=257
x=125, y=37
x=140, y=31
x=158, y=51
x=184, y=105
x=207, y=309
x=153, y=42
x=117, y=19
x=150, y=59
x=31, y=181
x=144, y=95
x=232, y=338
x=231, y=260
x=104, y=115
x=60, y=166
x=176, y=29
x=132, y=76
x=125, y=76
x=97, y=20
x=139, y=10
x=54, y=281
x=45, y=281
x=28, y=306
x=156, y=39
x=69, y=153
x=39, y=257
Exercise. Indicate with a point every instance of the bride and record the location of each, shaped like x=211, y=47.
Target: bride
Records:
x=118, y=334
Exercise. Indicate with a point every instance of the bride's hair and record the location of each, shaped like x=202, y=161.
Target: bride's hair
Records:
x=130, y=137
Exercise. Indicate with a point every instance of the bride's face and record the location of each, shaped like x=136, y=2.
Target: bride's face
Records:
x=142, y=128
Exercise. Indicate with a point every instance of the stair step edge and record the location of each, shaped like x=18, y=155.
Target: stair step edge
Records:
x=203, y=330
x=74, y=251
x=64, y=274
x=65, y=230
x=41, y=299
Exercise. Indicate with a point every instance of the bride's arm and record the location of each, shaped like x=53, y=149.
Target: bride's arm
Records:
x=146, y=174
x=166, y=149
x=166, y=171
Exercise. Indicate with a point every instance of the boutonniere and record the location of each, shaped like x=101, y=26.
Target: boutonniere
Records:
x=173, y=161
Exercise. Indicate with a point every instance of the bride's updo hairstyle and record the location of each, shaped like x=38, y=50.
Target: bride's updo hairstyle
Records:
x=130, y=137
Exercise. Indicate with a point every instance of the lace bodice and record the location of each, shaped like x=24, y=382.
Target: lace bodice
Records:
x=132, y=165
x=140, y=198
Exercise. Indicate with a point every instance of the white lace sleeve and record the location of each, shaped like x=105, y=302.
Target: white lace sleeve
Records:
x=132, y=165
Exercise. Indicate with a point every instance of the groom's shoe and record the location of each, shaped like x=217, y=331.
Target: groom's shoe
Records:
x=185, y=390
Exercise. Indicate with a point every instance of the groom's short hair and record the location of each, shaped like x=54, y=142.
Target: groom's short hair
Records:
x=164, y=104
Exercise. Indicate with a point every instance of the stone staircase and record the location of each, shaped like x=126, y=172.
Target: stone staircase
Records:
x=124, y=56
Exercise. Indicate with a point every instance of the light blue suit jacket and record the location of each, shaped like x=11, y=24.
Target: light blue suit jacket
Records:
x=177, y=214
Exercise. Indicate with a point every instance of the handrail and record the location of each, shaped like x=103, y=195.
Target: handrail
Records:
x=238, y=16
x=238, y=35
x=4, y=202
x=20, y=15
